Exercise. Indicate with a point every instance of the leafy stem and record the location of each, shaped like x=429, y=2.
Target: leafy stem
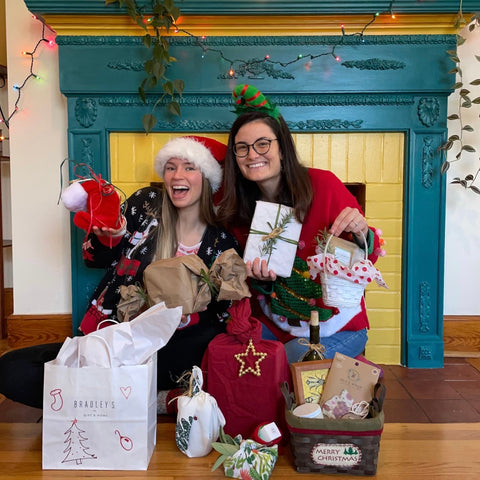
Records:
x=464, y=101
x=156, y=23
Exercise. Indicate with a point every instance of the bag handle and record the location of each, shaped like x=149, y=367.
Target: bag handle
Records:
x=364, y=241
x=376, y=405
x=107, y=348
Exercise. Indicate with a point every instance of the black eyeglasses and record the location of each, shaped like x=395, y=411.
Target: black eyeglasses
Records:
x=261, y=146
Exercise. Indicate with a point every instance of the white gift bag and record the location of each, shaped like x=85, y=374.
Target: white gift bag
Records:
x=100, y=395
x=273, y=236
x=98, y=418
x=199, y=419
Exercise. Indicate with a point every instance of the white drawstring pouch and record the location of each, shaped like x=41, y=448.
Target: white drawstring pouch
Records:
x=199, y=418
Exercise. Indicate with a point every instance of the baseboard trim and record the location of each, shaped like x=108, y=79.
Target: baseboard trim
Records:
x=28, y=330
x=461, y=333
x=461, y=336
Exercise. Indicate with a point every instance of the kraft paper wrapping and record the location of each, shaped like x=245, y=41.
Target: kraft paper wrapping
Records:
x=187, y=282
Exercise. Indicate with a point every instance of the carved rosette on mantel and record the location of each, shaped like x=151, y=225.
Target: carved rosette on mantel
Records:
x=392, y=79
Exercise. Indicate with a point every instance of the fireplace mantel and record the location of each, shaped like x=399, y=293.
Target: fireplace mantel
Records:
x=387, y=82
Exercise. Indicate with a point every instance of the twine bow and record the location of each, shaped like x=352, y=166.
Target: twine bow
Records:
x=318, y=347
x=273, y=234
x=270, y=238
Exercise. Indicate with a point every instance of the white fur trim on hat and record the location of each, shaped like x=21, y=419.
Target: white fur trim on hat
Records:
x=195, y=152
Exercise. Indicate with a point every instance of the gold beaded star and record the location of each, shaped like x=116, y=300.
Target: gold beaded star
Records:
x=240, y=357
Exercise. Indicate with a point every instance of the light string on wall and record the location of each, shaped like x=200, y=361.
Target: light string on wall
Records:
x=5, y=118
x=251, y=65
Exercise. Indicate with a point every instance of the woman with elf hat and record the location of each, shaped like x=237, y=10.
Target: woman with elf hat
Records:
x=262, y=164
x=159, y=223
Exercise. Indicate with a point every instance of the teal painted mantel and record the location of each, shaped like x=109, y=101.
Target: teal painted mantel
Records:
x=255, y=7
x=383, y=83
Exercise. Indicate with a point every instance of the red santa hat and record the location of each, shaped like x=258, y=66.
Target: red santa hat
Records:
x=203, y=152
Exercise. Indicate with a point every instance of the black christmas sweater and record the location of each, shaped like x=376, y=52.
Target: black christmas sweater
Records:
x=126, y=261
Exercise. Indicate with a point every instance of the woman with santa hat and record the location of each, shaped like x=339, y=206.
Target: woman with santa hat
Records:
x=157, y=223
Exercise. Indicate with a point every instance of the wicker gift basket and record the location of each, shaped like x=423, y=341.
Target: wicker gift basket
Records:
x=343, y=285
x=344, y=446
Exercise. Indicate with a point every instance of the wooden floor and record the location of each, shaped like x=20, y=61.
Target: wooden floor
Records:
x=432, y=431
x=407, y=452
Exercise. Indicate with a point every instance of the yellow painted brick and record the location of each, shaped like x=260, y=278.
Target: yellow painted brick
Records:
x=374, y=154
x=384, y=299
x=304, y=146
x=355, y=158
x=384, y=318
x=338, y=159
x=391, y=263
x=389, y=227
x=392, y=170
x=126, y=156
x=384, y=210
x=384, y=336
x=384, y=192
x=384, y=355
x=321, y=152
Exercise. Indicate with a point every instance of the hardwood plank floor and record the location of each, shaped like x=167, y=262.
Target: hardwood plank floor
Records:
x=407, y=452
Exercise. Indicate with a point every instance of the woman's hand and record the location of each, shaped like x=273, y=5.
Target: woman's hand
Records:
x=349, y=220
x=258, y=269
x=111, y=232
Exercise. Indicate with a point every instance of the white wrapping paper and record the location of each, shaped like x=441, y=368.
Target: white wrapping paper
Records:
x=273, y=237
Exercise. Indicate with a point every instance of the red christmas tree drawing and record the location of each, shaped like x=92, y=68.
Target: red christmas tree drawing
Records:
x=75, y=450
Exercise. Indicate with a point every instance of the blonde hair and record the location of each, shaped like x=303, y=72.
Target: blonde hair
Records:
x=167, y=242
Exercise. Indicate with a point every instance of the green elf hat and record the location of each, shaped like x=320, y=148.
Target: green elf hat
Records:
x=247, y=98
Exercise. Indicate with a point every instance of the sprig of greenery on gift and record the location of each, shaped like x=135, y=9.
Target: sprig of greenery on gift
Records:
x=206, y=278
x=270, y=243
x=321, y=239
x=228, y=447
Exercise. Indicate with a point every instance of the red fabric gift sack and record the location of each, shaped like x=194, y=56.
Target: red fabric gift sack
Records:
x=244, y=373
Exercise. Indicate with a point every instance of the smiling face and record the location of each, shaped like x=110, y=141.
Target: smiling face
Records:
x=264, y=169
x=183, y=181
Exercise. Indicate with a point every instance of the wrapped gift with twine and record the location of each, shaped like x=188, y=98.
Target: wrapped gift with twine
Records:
x=187, y=282
x=273, y=237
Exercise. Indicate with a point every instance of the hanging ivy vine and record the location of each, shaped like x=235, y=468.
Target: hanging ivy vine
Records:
x=156, y=21
x=457, y=141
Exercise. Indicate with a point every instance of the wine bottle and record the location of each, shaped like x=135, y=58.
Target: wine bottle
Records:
x=313, y=353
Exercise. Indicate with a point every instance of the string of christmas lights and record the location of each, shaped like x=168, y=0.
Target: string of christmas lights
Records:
x=251, y=64
x=18, y=88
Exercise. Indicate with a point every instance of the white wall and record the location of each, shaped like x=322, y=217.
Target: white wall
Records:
x=462, y=238
x=40, y=228
x=38, y=144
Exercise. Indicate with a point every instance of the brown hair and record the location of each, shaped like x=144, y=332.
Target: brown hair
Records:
x=295, y=190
